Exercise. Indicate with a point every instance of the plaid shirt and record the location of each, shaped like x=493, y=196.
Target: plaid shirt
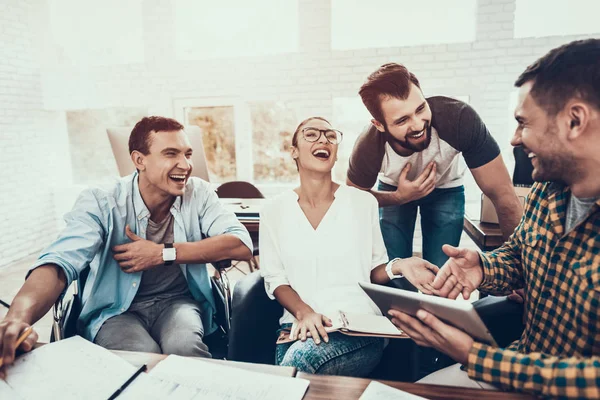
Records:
x=558, y=353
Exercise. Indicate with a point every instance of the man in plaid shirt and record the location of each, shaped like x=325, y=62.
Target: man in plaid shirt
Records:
x=554, y=253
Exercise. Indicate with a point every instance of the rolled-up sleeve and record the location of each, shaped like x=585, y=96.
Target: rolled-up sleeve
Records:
x=271, y=266
x=216, y=220
x=79, y=241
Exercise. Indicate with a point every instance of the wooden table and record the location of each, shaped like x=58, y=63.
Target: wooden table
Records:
x=486, y=236
x=246, y=210
x=151, y=359
x=338, y=387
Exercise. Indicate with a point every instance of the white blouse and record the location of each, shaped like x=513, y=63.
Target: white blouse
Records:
x=322, y=265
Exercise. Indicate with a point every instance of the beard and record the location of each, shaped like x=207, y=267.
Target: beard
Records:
x=554, y=164
x=406, y=142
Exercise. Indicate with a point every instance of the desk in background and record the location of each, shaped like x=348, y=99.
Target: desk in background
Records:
x=486, y=236
x=246, y=210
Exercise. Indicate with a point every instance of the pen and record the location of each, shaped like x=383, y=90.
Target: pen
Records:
x=20, y=340
x=122, y=388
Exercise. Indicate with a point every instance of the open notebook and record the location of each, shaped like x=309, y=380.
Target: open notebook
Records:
x=355, y=325
x=77, y=369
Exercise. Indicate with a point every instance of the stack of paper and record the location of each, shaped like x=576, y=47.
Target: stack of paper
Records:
x=379, y=391
x=209, y=380
x=77, y=369
x=69, y=369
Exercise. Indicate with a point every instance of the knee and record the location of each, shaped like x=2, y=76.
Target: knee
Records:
x=304, y=356
x=187, y=344
x=132, y=343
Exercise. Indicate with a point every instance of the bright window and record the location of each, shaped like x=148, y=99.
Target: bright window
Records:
x=273, y=125
x=351, y=117
x=535, y=18
x=357, y=24
x=218, y=137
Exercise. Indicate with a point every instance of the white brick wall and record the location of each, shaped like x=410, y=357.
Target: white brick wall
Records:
x=31, y=140
x=308, y=81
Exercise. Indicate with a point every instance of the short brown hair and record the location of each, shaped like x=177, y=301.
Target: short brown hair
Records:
x=140, y=135
x=389, y=80
x=571, y=70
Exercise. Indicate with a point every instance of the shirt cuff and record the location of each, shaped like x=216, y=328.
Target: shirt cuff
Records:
x=476, y=361
x=487, y=269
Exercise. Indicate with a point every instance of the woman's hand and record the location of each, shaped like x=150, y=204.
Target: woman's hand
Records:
x=310, y=324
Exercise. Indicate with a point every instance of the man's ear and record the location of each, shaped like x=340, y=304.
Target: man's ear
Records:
x=578, y=116
x=378, y=125
x=139, y=160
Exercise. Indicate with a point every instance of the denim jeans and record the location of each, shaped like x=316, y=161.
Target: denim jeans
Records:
x=442, y=212
x=344, y=355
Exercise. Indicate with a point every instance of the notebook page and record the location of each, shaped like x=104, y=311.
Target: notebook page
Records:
x=371, y=324
x=379, y=391
x=73, y=368
x=6, y=392
x=216, y=381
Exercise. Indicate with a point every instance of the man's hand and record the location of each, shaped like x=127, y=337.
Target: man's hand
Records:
x=419, y=272
x=462, y=273
x=311, y=324
x=10, y=330
x=427, y=330
x=139, y=255
x=408, y=191
x=518, y=296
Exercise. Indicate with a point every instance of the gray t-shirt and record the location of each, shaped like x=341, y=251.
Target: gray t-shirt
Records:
x=577, y=210
x=164, y=281
x=456, y=129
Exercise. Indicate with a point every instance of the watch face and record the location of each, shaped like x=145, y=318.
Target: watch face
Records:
x=169, y=254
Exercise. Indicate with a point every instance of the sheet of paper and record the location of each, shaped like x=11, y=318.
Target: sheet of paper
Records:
x=222, y=382
x=371, y=324
x=379, y=391
x=73, y=368
x=7, y=392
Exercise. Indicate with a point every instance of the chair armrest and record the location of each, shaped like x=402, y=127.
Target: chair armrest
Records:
x=254, y=322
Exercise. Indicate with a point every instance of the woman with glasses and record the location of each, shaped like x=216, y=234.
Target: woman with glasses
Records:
x=316, y=243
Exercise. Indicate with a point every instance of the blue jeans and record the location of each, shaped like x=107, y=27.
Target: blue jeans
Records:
x=344, y=355
x=442, y=212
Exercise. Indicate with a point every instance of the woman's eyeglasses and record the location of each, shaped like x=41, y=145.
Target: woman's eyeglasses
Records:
x=311, y=135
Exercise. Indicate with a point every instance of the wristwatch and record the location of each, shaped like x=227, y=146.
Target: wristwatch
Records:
x=388, y=269
x=169, y=254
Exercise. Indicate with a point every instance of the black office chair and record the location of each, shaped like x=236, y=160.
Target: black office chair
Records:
x=243, y=190
x=67, y=309
x=523, y=168
x=255, y=321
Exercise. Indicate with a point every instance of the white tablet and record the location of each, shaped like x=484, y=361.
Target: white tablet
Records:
x=460, y=314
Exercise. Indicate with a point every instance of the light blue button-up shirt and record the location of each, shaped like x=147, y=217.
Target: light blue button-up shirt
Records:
x=97, y=223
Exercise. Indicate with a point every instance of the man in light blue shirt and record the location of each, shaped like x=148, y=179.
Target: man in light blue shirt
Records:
x=145, y=241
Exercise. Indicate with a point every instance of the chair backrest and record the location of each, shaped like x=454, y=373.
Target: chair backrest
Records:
x=523, y=168
x=119, y=141
x=239, y=190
